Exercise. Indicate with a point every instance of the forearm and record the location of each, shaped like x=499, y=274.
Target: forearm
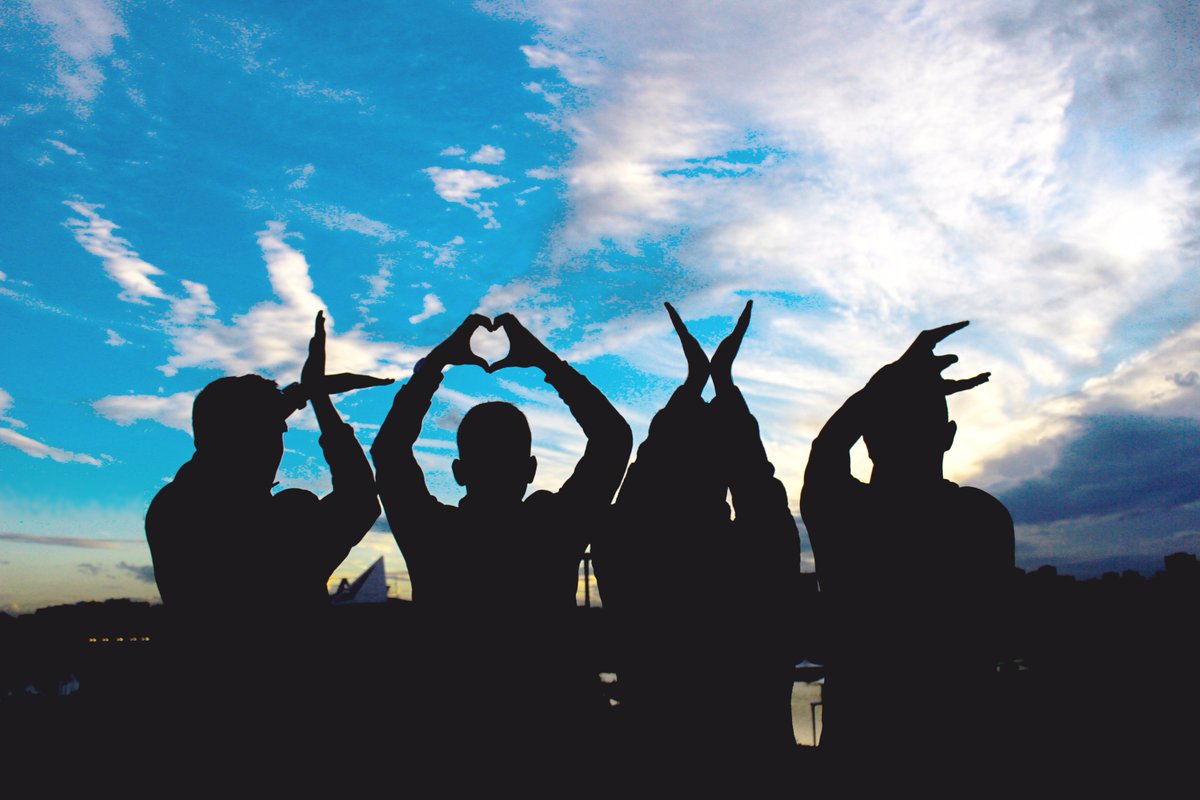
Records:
x=610, y=440
x=398, y=476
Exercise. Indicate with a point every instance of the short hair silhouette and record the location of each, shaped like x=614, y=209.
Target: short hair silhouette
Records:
x=911, y=425
x=494, y=445
x=228, y=408
x=494, y=431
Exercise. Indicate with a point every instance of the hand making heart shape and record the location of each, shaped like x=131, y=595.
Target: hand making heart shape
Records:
x=477, y=331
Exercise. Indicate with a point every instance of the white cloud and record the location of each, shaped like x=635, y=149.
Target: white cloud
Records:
x=82, y=32
x=462, y=186
x=542, y=173
x=122, y=263
x=302, y=173
x=443, y=255
x=552, y=98
x=33, y=447
x=115, y=339
x=66, y=148
x=379, y=287
x=488, y=154
x=341, y=219
x=431, y=306
x=453, y=150
x=173, y=411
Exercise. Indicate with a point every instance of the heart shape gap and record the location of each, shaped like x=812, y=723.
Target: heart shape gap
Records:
x=490, y=345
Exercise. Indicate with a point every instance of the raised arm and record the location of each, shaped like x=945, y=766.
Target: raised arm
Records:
x=350, y=510
x=609, y=439
x=399, y=477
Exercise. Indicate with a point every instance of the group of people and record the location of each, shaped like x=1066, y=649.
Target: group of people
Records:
x=911, y=567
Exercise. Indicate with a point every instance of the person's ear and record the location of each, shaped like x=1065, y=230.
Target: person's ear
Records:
x=951, y=429
x=460, y=472
x=532, y=469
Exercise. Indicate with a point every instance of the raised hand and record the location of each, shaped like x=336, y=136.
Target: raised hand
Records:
x=456, y=349
x=524, y=349
x=312, y=375
x=721, y=365
x=919, y=368
x=697, y=361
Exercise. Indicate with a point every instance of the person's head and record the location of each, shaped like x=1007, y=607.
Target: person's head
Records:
x=239, y=422
x=494, y=461
x=910, y=436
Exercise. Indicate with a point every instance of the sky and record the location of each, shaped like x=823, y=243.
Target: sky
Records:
x=186, y=184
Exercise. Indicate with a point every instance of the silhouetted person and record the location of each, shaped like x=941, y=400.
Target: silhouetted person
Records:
x=913, y=570
x=494, y=578
x=242, y=572
x=706, y=604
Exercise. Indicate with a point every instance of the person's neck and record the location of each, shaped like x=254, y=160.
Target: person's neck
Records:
x=907, y=475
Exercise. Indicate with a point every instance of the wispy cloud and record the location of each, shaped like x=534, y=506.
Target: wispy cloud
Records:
x=443, y=255
x=115, y=339
x=342, y=219
x=463, y=186
x=302, y=173
x=32, y=447
x=82, y=33
x=69, y=541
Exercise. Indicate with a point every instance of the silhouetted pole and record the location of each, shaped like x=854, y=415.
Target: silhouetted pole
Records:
x=587, y=580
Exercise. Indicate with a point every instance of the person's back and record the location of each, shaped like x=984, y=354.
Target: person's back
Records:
x=242, y=572
x=494, y=577
x=706, y=670
x=912, y=571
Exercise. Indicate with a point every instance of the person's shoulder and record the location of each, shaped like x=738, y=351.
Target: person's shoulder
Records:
x=979, y=498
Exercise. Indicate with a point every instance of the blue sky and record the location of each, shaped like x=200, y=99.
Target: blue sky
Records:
x=187, y=183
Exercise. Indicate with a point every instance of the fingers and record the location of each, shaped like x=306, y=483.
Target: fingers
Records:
x=506, y=321
x=507, y=361
x=347, y=381
x=728, y=349
x=744, y=320
x=927, y=340
x=955, y=386
x=677, y=321
x=941, y=362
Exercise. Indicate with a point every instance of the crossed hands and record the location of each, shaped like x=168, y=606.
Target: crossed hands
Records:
x=700, y=367
x=524, y=349
x=313, y=380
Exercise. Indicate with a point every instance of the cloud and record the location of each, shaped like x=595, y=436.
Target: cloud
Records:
x=431, y=306
x=115, y=339
x=68, y=541
x=379, y=288
x=33, y=447
x=453, y=150
x=6, y=402
x=302, y=173
x=122, y=263
x=341, y=219
x=173, y=411
x=488, y=154
x=142, y=572
x=243, y=42
x=270, y=338
x=552, y=98
x=1115, y=464
x=83, y=34
x=443, y=255
x=71, y=151
x=462, y=186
